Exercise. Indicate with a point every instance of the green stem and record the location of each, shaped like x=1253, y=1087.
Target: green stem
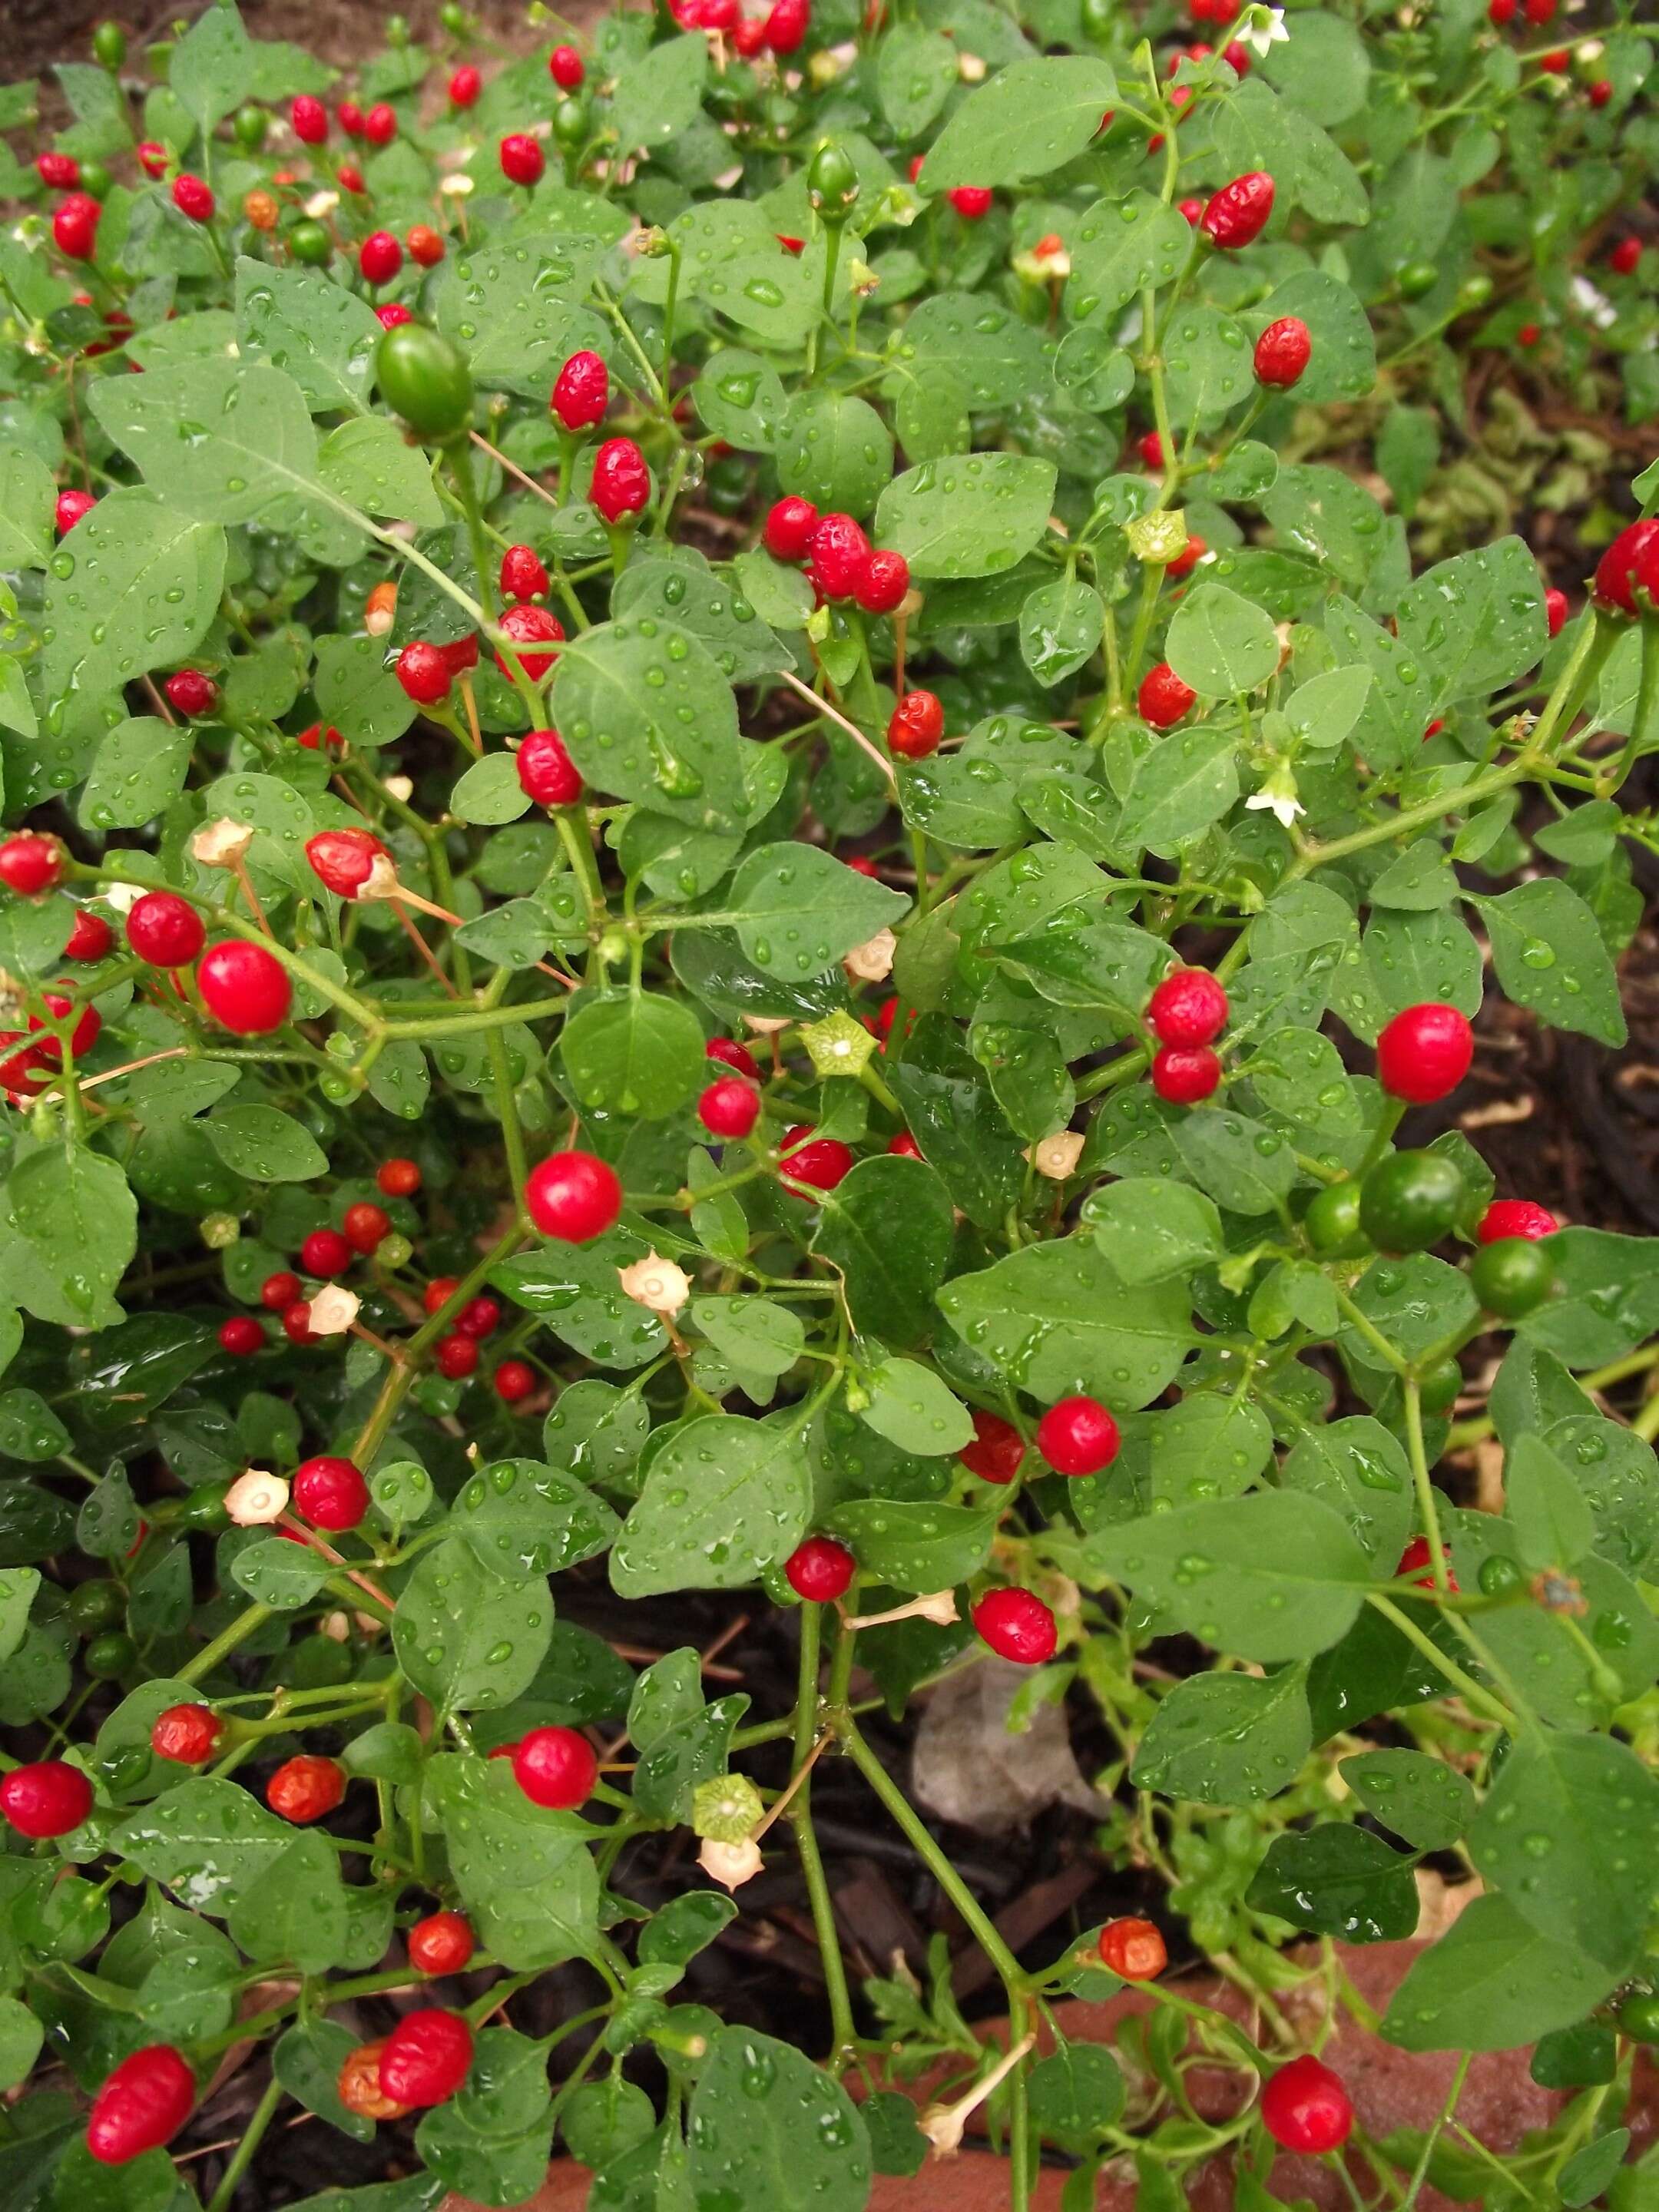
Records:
x=242, y=2157
x=225, y=1643
x=843, y=2029
x=1479, y=1700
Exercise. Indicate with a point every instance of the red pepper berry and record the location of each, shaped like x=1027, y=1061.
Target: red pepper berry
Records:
x=564, y=66
x=1415, y=1557
x=82, y=1037
x=342, y=860
x=70, y=508
x=731, y=1053
x=1149, y=446
x=424, y=673
x=165, y=930
x=546, y=770
x=187, y=1734
x=442, y=1943
x=279, y=1291
x=296, y=1322
x=1188, y=557
x=244, y=987
x=788, y=530
x=581, y=393
x=351, y=119
x=1188, y=1007
x=74, y=226
x=884, y=583
x=786, y=26
x=465, y=86
x=1017, y=1625
x=1162, y=698
x=916, y=162
x=522, y=159
x=817, y=1162
x=330, y=1492
x=350, y=178
x=556, y=1768
x=1515, y=1217
x=478, y=1318
x=1632, y=561
x=622, y=482
x=303, y=1789
x=391, y=315
x=917, y=725
x=1184, y=1074
x=523, y=576
x=192, y=198
x=439, y=1291
x=1555, y=611
x=904, y=1147
x=141, y=2106
x=1077, y=1436
x=365, y=1225
x=30, y=864
x=1133, y=1949
x=839, y=552
x=325, y=1254
x=820, y=1570
x=1527, y=335
x=309, y=120
x=1238, y=213
x=457, y=1357
x=998, y=1451
x=316, y=738
x=528, y=624
x=1624, y=256
x=379, y=258
x=90, y=936
x=971, y=202
x=191, y=692
x=45, y=1800
x=426, y=2058
x=380, y=124
x=1502, y=13
x=573, y=1196
x=1600, y=93
x=513, y=1380
x=241, y=1336
x=1282, y=352
x=1558, y=63
x=398, y=1178
x=750, y=36
x=1193, y=211
x=1424, y=1053
x=1305, y=2107
x=152, y=158
x=1539, y=12
x=729, y=1108
x=59, y=173
x=1236, y=58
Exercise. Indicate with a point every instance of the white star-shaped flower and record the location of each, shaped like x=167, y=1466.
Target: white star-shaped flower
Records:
x=1261, y=29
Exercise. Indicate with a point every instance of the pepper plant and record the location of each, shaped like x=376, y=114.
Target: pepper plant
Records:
x=727, y=873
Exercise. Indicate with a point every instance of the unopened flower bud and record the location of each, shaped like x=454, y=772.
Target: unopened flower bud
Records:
x=655, y=1284
x=257, y=1499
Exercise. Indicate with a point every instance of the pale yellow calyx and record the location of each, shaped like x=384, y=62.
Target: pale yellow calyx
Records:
x=655, y=1284
x=1057, y=1157
x=838, y=1045
x=729, y=1864
x=221, y=844
x=1157, y=539
x=257, y=1499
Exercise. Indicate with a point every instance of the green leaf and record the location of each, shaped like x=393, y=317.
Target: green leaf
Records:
x=1565, y=1828
x=20, y=2038
x=1554, y=1524
x=767, y=2127
x=1208, y=1446
x=210, y=70
x=1493, y=1983
x=1074, y=2093
x=797, y=909
x=575, y=1288
x=1342, y=366
x=526, y=1876
x=739, y=397
x=1420, y=1798
x=134, y=589
x=1209, y=367
x=514, y=307
x=523, y=1519
x=967, y=514
x=723, y=1497
x=27, y=494
x=464, y=1637
x=751, y=1333
x=1227, y=1739
x=357, y=692
x=302, y=321
x=1338, y=1881
x=212, y=1843
x=686, y=592
x=1120, y=247
x=992, y=354
x=833, y=449
x=1359, y=1468
x=17, y=1588
x=1608, y=1298
x=656, y=96
x=78, y=1225
x=281, y=1575
x=297, y=1914
x=1590, y=2169
x=369, y=464
x=1221, y=644
x=645, y=713
x=964, y=1137
x=222, y=440
x=489, y=792
x=915, y=70
x=1550, y=955
x=307, y=2060
x=637, y=1053
x=1027, y=119
x=1057, y=1319
x=1246, y=1167
x=912, y=1408
x=139, y=770
x=919, y=1546
x=1476, y=621
x=265, y=1144
x=1179, y=788
x=1061, y=624
x=888, y=1227
x=1270, y=1576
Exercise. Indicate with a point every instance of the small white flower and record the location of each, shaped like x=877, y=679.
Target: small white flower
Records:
x=455, y=186
x=1277, y=796
x=939, y=1606
x=257, y=1499
x=332, y=1311
x=1597, y=305
x=873, y=962
x=122, y=897
x=1056, y=1156
x=766, y=1024
x=221, y=844
x=400, y=786
x=1261, y=29
x=656, y=1284
x=731, y=1865
x=970, y=68
x=336, y=1627
x=321, y=203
